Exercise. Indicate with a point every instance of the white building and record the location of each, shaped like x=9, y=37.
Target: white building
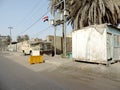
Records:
x=97, y=43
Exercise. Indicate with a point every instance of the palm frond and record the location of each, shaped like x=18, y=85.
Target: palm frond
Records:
x=88, y=12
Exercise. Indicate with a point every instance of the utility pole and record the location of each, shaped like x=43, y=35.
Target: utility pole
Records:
x=55, y=26
x=55, y=40
x=64, y=31
x=10, y=35
x=63, y=28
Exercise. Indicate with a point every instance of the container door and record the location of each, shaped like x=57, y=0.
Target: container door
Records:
x=109, y=45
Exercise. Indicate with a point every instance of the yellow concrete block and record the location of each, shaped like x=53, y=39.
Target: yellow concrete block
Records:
x=36, y=59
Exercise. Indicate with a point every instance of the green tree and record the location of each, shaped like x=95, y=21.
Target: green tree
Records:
x=19, y=39
x=26, y=37
x=8, y=40
x=22, y=38
x=89, y=12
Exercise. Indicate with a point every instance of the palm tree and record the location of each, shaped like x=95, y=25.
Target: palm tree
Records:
x=89, y=12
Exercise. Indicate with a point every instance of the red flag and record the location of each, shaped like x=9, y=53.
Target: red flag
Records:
x=45, y=18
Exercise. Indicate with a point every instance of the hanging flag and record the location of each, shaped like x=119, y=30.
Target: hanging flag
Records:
x=45, y=18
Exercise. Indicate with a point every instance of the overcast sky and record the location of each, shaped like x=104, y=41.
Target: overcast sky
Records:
x=21, y=14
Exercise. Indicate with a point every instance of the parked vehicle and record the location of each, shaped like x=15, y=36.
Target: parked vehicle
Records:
x=46, y=48
x=41, y=47
x=30, y=47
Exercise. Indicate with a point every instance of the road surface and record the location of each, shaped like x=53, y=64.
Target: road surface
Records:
x=14, y=76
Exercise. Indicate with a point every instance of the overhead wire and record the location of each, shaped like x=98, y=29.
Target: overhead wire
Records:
x=37, y=34
x=40, y=8
x=29, y=13
x=34, y=22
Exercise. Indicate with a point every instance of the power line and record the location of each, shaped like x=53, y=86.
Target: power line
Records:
x=37, y=34
x=34, y=23
x=40, y=8
x=35, y=6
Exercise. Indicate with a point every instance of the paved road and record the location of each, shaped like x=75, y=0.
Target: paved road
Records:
x=14, y=76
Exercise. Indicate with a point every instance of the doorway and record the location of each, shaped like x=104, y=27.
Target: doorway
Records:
x=109, y=46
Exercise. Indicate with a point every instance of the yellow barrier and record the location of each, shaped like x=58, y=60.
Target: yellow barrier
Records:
x=36, y=59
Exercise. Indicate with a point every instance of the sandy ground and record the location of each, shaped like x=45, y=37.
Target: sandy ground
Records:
x=66, y=65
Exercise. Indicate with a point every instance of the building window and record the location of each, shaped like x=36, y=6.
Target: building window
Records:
x=116, y=40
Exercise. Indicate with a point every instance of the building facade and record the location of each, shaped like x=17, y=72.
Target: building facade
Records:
x=59, y=43
x=3, y=42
